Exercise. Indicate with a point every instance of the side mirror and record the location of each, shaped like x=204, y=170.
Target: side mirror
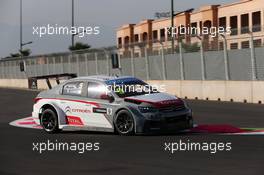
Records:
x=111, y=98
x=108, y=97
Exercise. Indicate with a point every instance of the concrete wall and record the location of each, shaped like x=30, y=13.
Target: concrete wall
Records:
x=237, y=91
x=23, y=83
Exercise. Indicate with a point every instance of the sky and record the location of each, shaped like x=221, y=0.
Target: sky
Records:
x=107, y=14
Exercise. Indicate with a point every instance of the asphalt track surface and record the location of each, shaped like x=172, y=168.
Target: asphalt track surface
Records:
x=131, y=155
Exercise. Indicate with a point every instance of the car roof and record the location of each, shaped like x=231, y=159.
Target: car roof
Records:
x=103, y=78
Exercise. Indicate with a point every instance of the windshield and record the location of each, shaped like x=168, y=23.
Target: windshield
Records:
x=130, y=87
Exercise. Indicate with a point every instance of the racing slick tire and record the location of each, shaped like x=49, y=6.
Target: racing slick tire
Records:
x=49, y=121
x=124, y=123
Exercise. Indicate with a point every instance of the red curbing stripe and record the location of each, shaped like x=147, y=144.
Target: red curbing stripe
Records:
x=29, y=119
x=27, y=123
x=216, y=129
x=254, y=131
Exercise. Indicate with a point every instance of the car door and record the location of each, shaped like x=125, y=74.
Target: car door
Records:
x=101, y=108
x=73, y=103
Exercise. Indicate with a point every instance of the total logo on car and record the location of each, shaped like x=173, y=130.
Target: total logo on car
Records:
x=110, y=104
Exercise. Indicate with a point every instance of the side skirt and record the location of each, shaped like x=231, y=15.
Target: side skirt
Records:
x=85, y=128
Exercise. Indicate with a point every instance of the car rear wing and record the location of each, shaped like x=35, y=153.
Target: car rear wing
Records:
x=33, y=81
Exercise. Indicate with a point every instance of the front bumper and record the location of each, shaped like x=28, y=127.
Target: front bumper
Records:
x=166, y=123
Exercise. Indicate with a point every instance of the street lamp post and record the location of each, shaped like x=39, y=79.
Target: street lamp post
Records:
x=202, y=58
x=226, y=60
x=172, y=26
x=72, y=23
x=163, y=61
x=21, y=44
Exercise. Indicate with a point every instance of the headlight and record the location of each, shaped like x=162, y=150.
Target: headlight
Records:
x=147, y=109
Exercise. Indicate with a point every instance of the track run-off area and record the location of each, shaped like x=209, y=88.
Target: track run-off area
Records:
x=236, y=123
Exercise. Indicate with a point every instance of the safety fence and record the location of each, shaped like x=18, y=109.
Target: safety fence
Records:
x=213, y=59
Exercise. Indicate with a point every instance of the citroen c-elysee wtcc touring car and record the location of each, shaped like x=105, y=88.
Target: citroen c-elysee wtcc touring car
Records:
x=104, y=103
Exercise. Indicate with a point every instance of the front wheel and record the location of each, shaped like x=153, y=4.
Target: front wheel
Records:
x=190, y=122
x=124, y=123
x=49, y=121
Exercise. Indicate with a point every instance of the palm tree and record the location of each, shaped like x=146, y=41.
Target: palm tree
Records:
x=79, y=46
x=25, y=53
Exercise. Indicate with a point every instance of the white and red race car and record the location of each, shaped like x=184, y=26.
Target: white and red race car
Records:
x=111, y=104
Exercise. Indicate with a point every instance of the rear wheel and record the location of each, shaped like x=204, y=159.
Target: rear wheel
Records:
x=124, y=123
x=49, y=121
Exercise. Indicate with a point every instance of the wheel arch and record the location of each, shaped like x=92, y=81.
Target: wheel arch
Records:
x=47, y=106
x=127, y=109
x=60, y=114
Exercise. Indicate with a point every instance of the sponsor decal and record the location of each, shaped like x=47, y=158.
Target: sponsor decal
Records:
x=100, y=110
x=81, y=110
x=158, y=104
x=168, y=102
x=69, y=110
x=72, y=120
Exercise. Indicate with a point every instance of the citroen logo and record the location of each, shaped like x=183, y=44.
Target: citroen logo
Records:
x=67, y=109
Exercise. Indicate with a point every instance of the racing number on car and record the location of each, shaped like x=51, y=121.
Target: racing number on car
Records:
x=109, y=111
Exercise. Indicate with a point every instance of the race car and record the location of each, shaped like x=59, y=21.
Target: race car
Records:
x=125, y=105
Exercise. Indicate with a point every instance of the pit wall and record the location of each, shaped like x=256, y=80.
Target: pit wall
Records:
x=23, y=83
x=237, y=91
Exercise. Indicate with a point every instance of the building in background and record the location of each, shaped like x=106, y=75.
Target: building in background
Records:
x=245, y=18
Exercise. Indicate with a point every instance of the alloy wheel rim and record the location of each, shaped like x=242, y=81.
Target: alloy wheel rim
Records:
x=48, y=122
x=124, y=123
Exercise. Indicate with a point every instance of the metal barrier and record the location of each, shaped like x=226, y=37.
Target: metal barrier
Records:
x=153, y=60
